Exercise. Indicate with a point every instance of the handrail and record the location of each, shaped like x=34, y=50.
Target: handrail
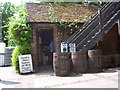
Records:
x=113, y=14
x=96, y=17
x=87, y=23
x=97, y=37
x=78, y=33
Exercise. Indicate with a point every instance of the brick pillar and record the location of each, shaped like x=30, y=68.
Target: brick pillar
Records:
x=34, y=49
x=56, y=38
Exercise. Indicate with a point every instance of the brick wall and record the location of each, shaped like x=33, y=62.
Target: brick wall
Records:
x=111, y=41
x=34, y=42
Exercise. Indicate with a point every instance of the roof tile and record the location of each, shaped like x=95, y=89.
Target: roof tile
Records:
x=60, y=12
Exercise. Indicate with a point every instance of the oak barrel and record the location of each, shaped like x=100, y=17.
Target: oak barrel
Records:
x=61, y=63
x=79, y=62
x=115, y=59
x=95, y=61
x=107, y=61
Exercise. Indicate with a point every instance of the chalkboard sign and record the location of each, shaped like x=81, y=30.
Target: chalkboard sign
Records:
x=25, y=63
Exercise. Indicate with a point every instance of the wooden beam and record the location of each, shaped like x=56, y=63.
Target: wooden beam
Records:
x=119, y=26
x=88, y=37
x=86, y=31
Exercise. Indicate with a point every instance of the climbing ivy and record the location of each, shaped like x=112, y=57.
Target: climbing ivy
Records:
x=63, y=26
x=69, y=27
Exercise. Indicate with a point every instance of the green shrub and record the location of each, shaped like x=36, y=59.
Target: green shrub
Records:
x=25, y=49
x=15, y=62
x=20, y=50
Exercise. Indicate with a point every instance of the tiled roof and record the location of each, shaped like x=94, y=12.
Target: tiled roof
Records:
x=59, y=12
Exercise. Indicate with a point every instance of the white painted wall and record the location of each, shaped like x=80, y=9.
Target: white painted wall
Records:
x=2, y=50
x=2, y=46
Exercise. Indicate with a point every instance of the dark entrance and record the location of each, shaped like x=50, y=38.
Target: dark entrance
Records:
x=45, y=45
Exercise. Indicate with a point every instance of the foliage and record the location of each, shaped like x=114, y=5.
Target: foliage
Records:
x=7, y=11
x=19, y=34
x=15, y=62
x=81, y=3
x=70, y=27
x=20, y=50
x=0, y=22
x=51, y=14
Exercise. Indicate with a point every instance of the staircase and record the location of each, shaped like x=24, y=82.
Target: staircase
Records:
x=96, y=28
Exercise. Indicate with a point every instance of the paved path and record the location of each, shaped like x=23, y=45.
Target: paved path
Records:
x=46, y=79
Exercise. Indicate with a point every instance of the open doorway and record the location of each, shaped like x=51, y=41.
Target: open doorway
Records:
x=45, y=46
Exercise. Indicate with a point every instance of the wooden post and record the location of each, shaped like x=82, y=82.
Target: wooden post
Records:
x=100, y=26
x=119, y=26
x=100, y=23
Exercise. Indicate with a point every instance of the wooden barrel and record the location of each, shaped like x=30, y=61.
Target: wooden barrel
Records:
x=61, y=63
x=118, y=59
x=79, y=62
x=95, y=61
x=115, y=59
x=107, y=61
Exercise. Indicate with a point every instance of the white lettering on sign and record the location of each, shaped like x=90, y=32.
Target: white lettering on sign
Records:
x=25, y=63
